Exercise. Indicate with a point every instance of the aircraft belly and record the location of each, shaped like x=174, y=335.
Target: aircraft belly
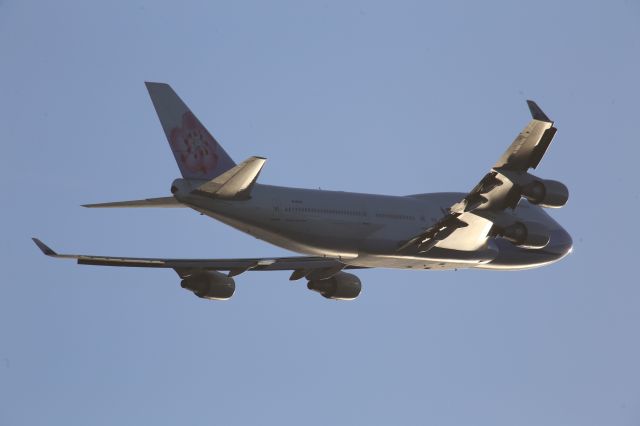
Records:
x=318, y=239
x=265, y=217
x=396, y=262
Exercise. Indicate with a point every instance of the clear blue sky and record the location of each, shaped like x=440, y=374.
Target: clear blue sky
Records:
x=388, y=97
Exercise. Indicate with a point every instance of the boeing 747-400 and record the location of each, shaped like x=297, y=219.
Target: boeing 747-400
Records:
x=500, y=224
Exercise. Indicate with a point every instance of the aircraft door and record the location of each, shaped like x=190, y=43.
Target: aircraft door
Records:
x=276, y=212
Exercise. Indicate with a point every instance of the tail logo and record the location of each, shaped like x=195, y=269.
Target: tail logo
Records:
x=194, y=147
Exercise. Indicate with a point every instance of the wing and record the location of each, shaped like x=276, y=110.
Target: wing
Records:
x=468, y=224
x=529, y=147
x=300, y=265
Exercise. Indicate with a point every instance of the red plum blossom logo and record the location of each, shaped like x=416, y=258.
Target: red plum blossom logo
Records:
x=194, y=147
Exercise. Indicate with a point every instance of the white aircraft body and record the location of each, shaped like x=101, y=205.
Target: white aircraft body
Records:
x=501, y=224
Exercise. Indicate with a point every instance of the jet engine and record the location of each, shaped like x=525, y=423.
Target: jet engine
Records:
x=530, y=235
x=341, y=286
x=546, y=193
x=210, y=285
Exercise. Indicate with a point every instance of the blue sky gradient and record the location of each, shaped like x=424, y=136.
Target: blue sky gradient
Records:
x=383, y=97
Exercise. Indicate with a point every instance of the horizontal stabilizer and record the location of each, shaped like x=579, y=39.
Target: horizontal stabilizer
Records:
x=235, y=184
x=163, y=202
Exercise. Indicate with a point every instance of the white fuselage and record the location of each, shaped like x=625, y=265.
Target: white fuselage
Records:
x=366, y=230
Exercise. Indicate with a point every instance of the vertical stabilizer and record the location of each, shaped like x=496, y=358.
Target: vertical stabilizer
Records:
x=198, y=154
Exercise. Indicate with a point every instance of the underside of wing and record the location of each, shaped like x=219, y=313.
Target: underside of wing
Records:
x=203, y=277
x=468, y=224
x=529, y=147
x=304, y=265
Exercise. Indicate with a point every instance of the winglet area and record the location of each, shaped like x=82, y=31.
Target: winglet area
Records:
x=537, y=113
x=45, y=248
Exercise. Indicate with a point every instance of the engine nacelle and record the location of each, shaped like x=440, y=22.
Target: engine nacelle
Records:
x=341, y=286
x=210, y=285
x=546, y=193
x=530, y=235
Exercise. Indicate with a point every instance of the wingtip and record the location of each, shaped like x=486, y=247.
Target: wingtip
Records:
x=44, y=248
x=151, y=84
x=536, y=111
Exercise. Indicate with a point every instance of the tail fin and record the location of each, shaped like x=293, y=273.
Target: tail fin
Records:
x=198, y=154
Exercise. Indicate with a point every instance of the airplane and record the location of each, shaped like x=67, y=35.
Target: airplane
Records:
x=499, y=225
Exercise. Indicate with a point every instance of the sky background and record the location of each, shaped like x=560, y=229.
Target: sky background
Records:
x=384, y=97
